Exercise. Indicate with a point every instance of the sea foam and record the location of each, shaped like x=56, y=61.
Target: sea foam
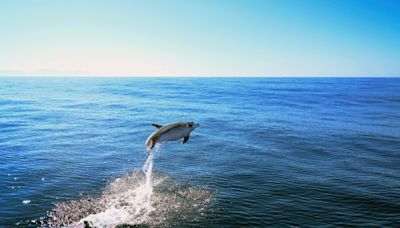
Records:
x=141, y=197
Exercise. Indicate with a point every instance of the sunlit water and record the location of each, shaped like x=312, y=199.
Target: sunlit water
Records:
x=284, y=152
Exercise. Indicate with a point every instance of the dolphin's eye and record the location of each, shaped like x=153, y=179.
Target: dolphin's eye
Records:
x=190, y=125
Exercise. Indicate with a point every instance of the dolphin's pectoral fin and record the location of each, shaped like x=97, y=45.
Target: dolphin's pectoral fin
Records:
x=157, y=125
x=185, y=139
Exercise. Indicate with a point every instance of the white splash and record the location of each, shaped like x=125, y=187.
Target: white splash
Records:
x=133, y=206
x=137, y=198
x=26, y=201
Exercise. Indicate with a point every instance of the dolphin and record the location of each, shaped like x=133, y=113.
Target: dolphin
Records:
x=170, y=132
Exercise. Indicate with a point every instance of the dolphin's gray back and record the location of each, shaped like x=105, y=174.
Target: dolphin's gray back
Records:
x=167, y=128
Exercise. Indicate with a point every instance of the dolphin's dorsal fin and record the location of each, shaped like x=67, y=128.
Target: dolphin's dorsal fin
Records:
x=186, y=139
x=157, y=125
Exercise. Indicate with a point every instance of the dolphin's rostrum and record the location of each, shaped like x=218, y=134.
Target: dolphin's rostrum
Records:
x=170, y=132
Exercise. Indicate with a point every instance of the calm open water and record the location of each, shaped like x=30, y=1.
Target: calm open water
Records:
x=273, y=151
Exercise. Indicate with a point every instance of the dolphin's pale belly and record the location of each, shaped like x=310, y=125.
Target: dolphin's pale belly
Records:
x=173, y=134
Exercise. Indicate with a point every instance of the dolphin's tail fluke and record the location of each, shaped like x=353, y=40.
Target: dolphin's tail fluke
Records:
x=150, y=143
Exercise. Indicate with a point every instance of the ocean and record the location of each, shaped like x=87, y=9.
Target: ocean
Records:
x=285, y=152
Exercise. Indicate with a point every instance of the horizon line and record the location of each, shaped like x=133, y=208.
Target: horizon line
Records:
x=197, y=76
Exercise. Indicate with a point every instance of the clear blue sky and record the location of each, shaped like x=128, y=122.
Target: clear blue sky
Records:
x=200, y=37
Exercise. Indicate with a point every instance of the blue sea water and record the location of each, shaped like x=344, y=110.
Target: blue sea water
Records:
x=309, y=152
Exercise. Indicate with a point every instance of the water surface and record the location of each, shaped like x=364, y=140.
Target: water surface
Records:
x=272, y=151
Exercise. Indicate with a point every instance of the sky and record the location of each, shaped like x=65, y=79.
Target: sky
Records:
x=200, y=38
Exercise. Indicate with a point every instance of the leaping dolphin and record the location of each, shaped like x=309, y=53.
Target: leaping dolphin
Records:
x=170, y=132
